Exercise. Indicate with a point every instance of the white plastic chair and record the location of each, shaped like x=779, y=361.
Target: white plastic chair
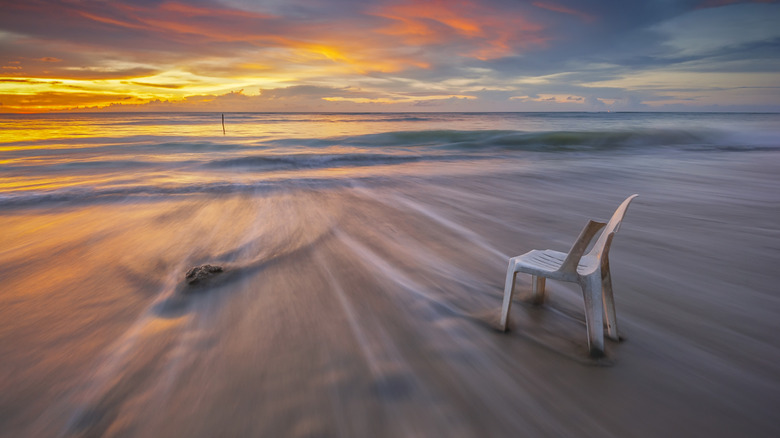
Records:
x=590, y=271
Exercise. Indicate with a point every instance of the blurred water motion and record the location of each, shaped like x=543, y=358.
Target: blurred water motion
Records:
x=364, y=270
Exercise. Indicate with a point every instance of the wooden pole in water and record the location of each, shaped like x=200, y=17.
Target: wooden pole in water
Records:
x=223, y=124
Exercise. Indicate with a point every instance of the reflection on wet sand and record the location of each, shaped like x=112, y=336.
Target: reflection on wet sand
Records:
x=366, y=309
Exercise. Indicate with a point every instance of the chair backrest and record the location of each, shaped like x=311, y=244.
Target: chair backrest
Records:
x=602, y=244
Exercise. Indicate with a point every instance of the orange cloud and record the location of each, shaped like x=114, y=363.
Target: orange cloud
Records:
x=175, y=19
x=194, y=11
x=113, y=21
x=167, y=51
x=494, y=33
x=266, y=39
x=360, y=57
x=57, y=101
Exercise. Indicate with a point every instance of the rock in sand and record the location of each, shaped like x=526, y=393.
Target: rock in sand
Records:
x=203, y=272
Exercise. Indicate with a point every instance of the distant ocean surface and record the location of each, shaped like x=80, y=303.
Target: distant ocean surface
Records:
x=364, y=259
x=78, y=157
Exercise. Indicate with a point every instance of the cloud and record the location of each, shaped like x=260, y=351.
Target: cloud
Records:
x=483, y=33
x=555, y=7
x=47, y=100
x=386, y=54
x=706, y=31
x=302, y=98
x=147, y=84
x=719, y=3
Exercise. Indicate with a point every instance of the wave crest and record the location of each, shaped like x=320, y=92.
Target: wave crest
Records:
x=548, y=141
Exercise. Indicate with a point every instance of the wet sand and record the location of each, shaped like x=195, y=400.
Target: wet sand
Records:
x=366, y=308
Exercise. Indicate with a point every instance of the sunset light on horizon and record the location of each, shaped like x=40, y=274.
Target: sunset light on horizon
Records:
x=389, y=55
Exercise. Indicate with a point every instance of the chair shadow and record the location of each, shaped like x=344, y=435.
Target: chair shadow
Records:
x=554, y=329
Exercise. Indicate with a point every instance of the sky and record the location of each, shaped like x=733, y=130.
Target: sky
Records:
x=389, y=55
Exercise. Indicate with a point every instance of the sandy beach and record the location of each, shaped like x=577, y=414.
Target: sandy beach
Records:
x=366, y=308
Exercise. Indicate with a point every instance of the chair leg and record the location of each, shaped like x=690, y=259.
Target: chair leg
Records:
x=538, y=283
x=609, y=305
x=509, y=288
x=594, y=317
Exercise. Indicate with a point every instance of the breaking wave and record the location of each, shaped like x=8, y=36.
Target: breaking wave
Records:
x=99, y=194
x=316, y=161
x=551, y=141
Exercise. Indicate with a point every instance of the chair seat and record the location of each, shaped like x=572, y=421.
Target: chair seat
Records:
x=548, y=262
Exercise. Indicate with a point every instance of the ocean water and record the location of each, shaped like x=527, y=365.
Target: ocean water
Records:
x=364, y=260
x=77, y=158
